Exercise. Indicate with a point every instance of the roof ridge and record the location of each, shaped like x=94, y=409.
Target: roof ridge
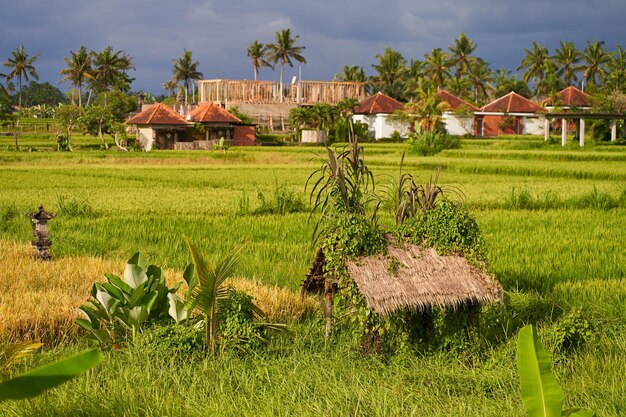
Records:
x=154, y=110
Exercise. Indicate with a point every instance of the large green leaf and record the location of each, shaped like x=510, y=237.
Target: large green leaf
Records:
x=541, y=392
x=134, y=275
x=177, y=308
x=35, y=382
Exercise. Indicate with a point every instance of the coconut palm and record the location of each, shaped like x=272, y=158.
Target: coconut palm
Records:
x=595, y=60
x=170, y=86
x=460, y=54
x=186, y=70
x=479, y=76
x=78, y=70
x=21, y=65
x=392, y=72
x=283, y=51
x=110, y=70
x=566, y=58
x=257, y=52
x=353, y=73
x=437, y=67
x=534, y=63
x=616, y=79
x=429, y=110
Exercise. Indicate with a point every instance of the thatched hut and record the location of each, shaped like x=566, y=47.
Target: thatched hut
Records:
x=413, y=278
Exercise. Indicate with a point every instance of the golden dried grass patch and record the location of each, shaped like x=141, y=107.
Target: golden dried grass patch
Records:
x=40, y=300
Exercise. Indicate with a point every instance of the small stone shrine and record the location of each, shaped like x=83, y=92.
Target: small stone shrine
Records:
x=41, y=243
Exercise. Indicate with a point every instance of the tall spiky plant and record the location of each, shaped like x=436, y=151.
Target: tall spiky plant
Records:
x=211, y=296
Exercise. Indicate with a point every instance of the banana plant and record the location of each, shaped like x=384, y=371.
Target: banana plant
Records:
x=119, y=306
x=541, y=392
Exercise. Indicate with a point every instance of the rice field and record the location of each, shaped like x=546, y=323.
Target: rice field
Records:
x=554, y=221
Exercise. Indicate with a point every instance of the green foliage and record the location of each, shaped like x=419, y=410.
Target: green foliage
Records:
x=431, y=143
x=449, y=228
x=172, y=339
x=117, y=103
x=240, y=115
x=119, y=308
x=541, y=392
x=227, y=313
x=572, y=331
x=281, y=201
x=35, y=382
x=13, y=353
x=63, y=143
x=73, y=206
x=36, y=94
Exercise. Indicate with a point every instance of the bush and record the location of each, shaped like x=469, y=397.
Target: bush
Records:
x=239, y=331
x=282, y=201
x=448, y=228
x=572, y=331
x=431, y=143
x=172, y=339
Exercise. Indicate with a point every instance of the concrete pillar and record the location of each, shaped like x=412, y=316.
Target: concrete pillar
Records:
x=546, y=129
x=613, y=130
x=563, y=132
x=582, y=132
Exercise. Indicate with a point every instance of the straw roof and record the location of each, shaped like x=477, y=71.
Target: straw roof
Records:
x=421, y=280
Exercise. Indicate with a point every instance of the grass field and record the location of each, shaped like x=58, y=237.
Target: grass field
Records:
x=554, y=220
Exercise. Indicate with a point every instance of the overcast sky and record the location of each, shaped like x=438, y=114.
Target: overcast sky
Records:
x=335, y=33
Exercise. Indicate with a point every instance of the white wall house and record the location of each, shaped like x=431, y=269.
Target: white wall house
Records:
x=375, y=111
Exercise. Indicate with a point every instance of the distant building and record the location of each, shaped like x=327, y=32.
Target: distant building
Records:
x=511, y=114
x=159, y=126
x=374, y=111
x=458, y=119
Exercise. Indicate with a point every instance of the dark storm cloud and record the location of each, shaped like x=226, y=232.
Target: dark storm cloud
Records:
x=335, y=33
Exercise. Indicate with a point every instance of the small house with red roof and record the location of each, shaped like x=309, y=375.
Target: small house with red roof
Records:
x=374, y=112
x=511, y=114
x=220, y=124
x=569, y=98
x=458, y=118
x=159, y=126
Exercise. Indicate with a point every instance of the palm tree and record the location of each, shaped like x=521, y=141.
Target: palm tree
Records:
x=437, y=67
x=186, y=70
x=110, y=70
x=567, y=57
x=392, y=72
x=21, y=66
x=617, y=69
x=534, y=62
x=595, y=59
x=283, y=51
x=460, y=54
x=480, y=76
x=257, y=52
x=170, y=86
x=353, y=73
x=78, y=70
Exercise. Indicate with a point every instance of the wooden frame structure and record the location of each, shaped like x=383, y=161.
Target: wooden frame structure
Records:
x=227, y=92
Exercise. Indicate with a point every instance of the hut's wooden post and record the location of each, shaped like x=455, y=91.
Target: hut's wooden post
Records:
x=328, y=306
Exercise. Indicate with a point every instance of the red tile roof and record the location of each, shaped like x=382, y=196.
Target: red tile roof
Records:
x=212, y=113
x=159, y=114
x=454, y=102
x=571, y=97
x=378, y=103
x=512, y=103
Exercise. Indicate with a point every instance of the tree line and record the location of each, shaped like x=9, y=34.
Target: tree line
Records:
x=468, y=76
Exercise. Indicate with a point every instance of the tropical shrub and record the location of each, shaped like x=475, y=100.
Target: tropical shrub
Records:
x=172, y=339
x=282, y=201
x=119, y=308
x=431, y=143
